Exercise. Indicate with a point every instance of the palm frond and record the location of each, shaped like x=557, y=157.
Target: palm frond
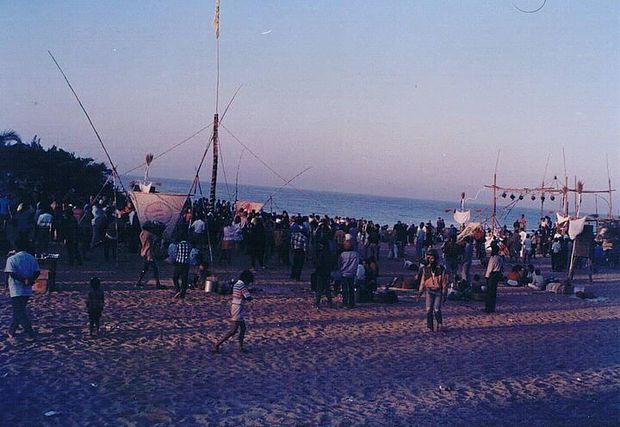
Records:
x=9, y=135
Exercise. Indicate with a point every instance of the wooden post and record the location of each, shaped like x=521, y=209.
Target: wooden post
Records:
x=610, y=214
x=576, y=208
x=493, y=219
x=565, y=198
x=216, y=149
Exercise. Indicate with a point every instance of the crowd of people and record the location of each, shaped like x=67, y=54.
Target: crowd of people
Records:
x=343, y=253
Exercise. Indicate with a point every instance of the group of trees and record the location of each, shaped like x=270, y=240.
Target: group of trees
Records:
x=27, y=168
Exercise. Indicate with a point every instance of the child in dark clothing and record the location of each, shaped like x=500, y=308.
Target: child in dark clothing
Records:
x=94, y=305
x=201, y=274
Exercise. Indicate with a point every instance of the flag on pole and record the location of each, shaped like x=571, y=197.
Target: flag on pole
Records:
x=216, y=20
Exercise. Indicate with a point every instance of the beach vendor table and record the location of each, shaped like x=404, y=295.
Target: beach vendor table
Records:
x=47, y=264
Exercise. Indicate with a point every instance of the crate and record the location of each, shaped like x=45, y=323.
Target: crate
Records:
x=41, y=284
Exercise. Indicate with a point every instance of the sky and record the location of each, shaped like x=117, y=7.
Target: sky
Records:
x=418, y=99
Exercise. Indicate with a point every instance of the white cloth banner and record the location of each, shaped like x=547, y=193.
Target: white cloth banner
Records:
x=163, y=207
x=145, y=188
x=561, y=219
x=469, y=230
x=575, y=227
x=462, y=217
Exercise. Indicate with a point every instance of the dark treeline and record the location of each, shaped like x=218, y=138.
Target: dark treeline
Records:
x=28, y=170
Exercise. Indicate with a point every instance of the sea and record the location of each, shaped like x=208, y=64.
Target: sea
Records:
x=380, y=209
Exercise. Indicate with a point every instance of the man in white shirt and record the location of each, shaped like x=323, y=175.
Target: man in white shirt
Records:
x=22, y=270
x=197, y=230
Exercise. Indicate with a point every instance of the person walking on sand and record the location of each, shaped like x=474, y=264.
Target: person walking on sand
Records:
x=240, y=296
x=94, y=305
x=148, y=239
x=181, y=266
x=433, y=280
x=493, y=275
x=22, y=270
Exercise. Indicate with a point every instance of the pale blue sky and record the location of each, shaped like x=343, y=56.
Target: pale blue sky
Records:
x=410, y=98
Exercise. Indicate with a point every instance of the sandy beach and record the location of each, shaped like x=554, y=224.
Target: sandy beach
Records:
x=542, y=359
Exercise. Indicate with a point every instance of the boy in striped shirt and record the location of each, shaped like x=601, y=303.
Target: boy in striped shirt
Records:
x=240, y=295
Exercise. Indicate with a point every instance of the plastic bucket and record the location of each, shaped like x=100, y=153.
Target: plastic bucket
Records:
x=211, y=286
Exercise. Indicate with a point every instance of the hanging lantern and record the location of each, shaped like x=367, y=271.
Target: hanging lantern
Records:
x=533, y=197
x=542, y=198
x=520, y=196
x=512, y=197
x=552, y=197
x=504, y=194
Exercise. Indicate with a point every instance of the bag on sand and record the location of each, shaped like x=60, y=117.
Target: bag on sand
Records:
x=556, y=287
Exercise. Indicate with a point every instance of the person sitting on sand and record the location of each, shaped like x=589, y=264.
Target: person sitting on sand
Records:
x=515, y=276
x=433, y=280
x=94, y=305
x=372, y=273
x=200, y=274
x=240, y=295
x=528, y=275
x=538, y=281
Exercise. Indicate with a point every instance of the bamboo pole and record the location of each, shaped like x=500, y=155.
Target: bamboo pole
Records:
x=216, y=148
x=610, y=214
x=493, y=217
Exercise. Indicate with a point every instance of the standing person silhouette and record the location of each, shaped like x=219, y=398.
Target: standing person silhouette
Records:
x=94, y=305
x=22, y=270
x=433, y=279
x=493, y=276
x=148, y=240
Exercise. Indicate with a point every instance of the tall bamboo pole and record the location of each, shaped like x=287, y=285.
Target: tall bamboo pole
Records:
x=493, y=218
x=216, y=148
x=216, y=145
x=610, y=213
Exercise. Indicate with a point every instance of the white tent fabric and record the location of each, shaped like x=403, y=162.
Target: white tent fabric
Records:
x=575, y=227
x=462, y=217
x=163, y=207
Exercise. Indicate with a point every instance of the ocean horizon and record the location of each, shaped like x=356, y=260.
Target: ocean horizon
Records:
x=380, y=209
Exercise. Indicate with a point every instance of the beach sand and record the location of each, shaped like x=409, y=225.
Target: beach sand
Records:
x=542, y=359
